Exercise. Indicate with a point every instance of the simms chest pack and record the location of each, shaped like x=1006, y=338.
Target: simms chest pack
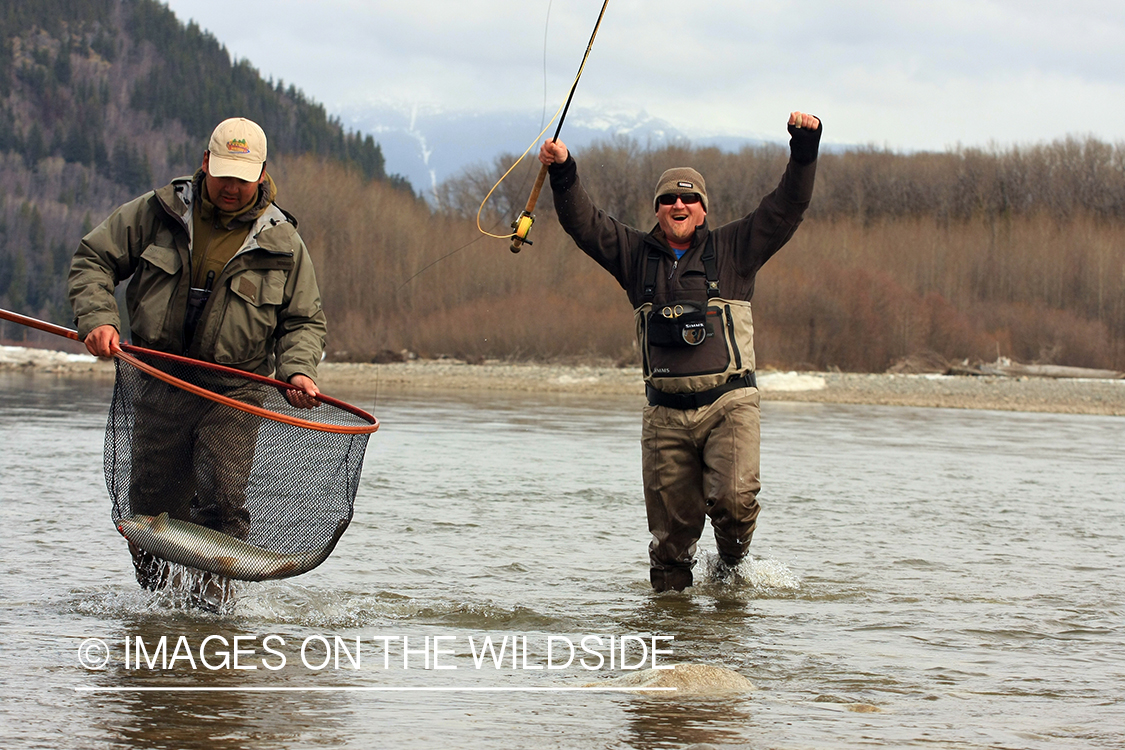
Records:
x=678, y=324
x=693, y=345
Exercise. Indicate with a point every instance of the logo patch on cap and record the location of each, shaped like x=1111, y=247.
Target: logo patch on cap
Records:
x=238, y=146
x=685, y=184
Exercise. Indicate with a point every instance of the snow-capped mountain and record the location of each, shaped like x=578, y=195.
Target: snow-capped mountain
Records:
x=428, y=145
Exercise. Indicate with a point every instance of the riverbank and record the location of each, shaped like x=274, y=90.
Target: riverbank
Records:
x=1061, y=395
x=1035, y=394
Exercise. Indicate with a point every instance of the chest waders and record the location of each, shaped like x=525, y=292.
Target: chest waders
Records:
x=693, y=352
x=197, y=300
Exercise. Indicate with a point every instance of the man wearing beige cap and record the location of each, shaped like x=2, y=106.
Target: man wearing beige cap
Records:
x=217, y=273
x=690, y=287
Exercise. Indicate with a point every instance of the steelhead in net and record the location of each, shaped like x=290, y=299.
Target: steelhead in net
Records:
x=213, y=468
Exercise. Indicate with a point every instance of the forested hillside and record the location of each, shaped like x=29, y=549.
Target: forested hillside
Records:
x=101, y=100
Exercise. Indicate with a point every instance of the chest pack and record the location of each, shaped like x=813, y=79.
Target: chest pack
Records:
x=692, y=345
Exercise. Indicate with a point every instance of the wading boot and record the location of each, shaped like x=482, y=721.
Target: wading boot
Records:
x=152, y=572
x=210, y=592
x=676, y=579
x=727, y=567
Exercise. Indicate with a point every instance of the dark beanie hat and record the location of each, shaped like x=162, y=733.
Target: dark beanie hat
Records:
x=681, y=180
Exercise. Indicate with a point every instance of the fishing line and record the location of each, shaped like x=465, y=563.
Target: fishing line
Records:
x=419, y=272
x=522, y=225
x=546, y=28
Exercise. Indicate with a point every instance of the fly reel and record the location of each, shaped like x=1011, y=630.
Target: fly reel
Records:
x=520, y=228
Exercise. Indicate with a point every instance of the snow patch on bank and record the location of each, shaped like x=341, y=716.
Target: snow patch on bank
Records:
x=789, y=381
x=20, y=355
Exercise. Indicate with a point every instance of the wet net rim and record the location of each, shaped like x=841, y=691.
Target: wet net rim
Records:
x=70, y=333
x=126, y=355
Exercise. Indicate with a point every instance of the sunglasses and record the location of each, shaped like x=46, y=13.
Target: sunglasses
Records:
x=669, y=199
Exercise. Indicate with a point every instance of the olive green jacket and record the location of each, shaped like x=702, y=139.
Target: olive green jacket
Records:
x=264, y=314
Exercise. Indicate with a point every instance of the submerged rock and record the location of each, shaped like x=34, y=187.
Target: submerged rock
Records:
x=687, y=679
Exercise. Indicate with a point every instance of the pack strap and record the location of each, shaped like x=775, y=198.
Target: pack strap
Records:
x=710, y=269
x=652, y=267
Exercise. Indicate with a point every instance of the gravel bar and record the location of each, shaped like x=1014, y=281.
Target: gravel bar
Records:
x=1061, y=395
x=1033, y=394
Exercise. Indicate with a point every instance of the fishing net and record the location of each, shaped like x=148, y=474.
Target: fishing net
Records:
x=213, y=468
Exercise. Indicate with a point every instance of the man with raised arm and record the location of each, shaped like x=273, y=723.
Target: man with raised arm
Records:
x=690, y=287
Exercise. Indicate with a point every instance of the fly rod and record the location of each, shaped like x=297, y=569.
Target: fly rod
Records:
x=521, y=226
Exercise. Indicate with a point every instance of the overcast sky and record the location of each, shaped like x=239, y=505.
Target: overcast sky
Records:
x=904, y=75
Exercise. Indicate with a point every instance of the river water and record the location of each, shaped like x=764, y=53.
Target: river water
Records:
x=921, y=578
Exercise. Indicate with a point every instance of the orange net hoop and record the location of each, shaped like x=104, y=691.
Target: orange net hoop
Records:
x=127, y=350
x=212, y=467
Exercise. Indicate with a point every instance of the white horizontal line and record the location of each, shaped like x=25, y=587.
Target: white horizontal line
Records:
x=345, y=689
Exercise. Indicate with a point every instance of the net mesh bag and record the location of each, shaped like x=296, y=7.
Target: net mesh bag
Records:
x=213, y=468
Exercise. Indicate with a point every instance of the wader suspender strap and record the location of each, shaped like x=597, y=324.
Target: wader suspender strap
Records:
x=710, y=270
x=197, y=300
x=652, y=267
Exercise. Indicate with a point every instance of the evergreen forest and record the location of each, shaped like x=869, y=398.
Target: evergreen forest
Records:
x=101, y=100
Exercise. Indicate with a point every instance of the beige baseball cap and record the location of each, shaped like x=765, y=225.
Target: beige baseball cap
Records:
x=238, y=149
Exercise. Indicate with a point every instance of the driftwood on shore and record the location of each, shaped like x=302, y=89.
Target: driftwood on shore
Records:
x=930, y=362
x=1015, y=370
x=1059, y=371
